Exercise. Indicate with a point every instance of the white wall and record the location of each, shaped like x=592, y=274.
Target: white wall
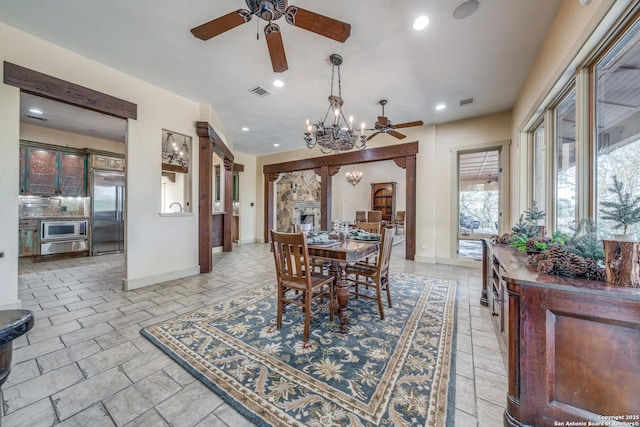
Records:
x=149, y=256
x=9, y=136
x=347, y=199
x=248, y=191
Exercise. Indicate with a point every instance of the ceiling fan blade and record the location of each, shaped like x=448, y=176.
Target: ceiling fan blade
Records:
x=220, y=25
x=382, y=120
x=319, y=24
x=276, y=48
x=409, y=124
x=372, y=135
x=396, y=134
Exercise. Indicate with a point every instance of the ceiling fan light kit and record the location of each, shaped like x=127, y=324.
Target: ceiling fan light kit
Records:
x=384, y=125
x=269, y=11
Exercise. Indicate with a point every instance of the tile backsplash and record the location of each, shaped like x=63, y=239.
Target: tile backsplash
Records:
x=44, y=207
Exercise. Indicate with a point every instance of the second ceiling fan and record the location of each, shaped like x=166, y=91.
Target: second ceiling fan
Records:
x=384, y=125
x=271, y=10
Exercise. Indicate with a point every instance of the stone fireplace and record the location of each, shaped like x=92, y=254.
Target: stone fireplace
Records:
x=297, y=201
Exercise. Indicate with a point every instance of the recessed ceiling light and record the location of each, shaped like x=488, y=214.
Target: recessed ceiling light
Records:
x=276, y=145
x=278, y=83
x=420, y=23
x=245, y=129
x=35, y=111
x=441, y=107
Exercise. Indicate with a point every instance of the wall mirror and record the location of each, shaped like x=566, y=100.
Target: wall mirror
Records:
x=176, y=177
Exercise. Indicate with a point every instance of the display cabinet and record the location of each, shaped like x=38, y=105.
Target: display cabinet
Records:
x=383, y=198
x=50, y=172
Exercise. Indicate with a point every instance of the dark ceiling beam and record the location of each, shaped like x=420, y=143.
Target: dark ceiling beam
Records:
x=50, y=87
x=350, y=158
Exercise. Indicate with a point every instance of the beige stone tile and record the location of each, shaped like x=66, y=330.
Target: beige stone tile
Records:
x=86, y=393
x=149, y=419
x=179, y=409
x=465, y=394
x=38, y=414
x=463, y=419
x=489, y=414
x=107, y=359
x=140, y=397
x=94, y=416
x=65, y=356
x=39, y=387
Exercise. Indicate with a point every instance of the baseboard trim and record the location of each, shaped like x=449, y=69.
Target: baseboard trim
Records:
x=141, y=282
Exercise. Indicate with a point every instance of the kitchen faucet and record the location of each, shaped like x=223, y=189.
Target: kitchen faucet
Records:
x=175, y=203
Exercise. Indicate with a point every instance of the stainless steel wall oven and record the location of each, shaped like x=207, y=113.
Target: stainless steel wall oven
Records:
x=58, y=236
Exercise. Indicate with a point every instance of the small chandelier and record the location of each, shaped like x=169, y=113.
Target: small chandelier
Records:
x=354, y=176
x=174, y=154
x=338, y=135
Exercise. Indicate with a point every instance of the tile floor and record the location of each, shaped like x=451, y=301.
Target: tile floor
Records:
x=85, y=363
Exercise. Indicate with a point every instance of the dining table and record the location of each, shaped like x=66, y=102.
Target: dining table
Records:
x=340, y=253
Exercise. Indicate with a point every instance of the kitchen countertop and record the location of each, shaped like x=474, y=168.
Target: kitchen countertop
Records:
x=57, y=218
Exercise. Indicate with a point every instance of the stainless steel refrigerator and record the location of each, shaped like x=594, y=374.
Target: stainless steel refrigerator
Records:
x=107, y=212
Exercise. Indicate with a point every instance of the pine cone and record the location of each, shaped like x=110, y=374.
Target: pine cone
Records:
x=594, y=271
x=545, y=267
x=505, y=239
x=558, y=254
x=578, y=264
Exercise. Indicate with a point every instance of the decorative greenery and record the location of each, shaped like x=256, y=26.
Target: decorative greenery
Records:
x=525, y=228
x=519, y=242
x=585, y=241
x=533, y=214
x=624, y=210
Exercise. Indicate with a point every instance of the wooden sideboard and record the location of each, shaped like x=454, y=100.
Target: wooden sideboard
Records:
x=572, y=346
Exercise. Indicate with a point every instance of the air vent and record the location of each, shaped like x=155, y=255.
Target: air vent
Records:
x=466, y=101
x=42, y=119
x=260, y=91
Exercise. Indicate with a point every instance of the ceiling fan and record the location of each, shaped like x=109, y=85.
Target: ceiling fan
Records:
x=384, y=125
x=272, y=10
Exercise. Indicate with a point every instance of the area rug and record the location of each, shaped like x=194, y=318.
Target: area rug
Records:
x=392, y=372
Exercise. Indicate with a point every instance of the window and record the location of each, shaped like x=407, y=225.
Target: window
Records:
x=565, y=162
x=617, y=120
x=539, y=167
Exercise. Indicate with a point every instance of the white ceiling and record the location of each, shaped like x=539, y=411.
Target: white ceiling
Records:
x=485, y=57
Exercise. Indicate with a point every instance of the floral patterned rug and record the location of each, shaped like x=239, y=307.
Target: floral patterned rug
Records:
x=380, y=373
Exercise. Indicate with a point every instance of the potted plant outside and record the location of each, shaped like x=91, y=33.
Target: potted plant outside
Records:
x=622, y=256
x=624, y=210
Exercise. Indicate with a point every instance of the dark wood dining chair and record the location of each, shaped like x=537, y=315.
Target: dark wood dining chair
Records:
x=371, y=227
x=373, y=275
x=361, y=216
x=374, y=216
x=296, y=284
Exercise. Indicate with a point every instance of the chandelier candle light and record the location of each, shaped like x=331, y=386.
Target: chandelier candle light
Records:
x=174, y=154
x=338, y=135
x=354, y=176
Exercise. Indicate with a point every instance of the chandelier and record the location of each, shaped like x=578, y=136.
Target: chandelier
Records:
x=354, y=176
x=339, y=134
x=174, y=154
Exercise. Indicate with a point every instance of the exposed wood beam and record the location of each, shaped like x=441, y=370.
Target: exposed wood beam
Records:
x=350, y=158
x=50, y=87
